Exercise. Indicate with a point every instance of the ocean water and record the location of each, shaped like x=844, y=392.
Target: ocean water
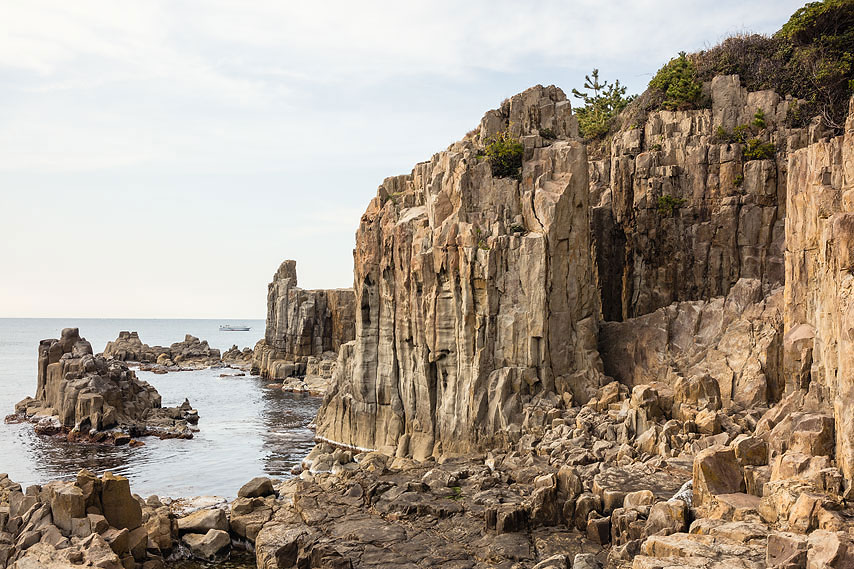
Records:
x=246, y=429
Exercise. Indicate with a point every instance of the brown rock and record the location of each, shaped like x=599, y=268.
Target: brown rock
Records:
x=120, y=508
x=201, y=521
x=716, y=471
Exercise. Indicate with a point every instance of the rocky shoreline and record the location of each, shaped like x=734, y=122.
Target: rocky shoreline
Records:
x=88, y=398
x=639, y=360
x=189, y=355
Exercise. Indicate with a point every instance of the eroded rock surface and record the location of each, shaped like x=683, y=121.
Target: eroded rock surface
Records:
x=191, y=353
x=305, y=329
x=88, y=397
x=475, y=294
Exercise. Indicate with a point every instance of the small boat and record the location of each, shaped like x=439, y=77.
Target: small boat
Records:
x=230, y=328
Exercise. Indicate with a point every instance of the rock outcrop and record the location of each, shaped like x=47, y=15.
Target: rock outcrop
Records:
x=818, y=348
x=724, y=282
x=737, y=341
x=88, y=397
x=475, y=293
x=305, y=329
x=92, y=521
x=682, y=212
x=235, y=357
x=189, y=354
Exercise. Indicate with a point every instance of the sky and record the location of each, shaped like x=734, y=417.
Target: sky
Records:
x=160, y=158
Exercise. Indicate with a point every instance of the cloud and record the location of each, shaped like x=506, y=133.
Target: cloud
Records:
x=141, y=126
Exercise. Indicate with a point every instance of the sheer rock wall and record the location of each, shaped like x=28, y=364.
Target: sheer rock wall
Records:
x=731, y=222
x=818, y=354
x=302, y=325
x=475, y=294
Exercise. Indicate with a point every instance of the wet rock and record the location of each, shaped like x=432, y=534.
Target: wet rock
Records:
x=85, y=397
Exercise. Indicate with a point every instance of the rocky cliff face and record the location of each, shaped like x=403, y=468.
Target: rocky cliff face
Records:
x=475, y=293
x=681, y=211
x=818, y=353
x=303, y=326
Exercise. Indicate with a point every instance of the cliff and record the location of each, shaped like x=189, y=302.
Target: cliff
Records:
x=475, y=293
x=683, y=211
x=818, y=354
x=304, y=327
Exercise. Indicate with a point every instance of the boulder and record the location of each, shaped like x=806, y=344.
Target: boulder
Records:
x=201, y=521
x=120, y=508
x=716, y=471
x=208, y=546
x=257, y=487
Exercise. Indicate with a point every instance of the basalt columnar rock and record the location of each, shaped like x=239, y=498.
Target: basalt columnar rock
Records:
x=85, y=396
x=818, y=347
x=305, y=328
x=191, y=353
x=682, y=211
x=723, y=443
x=736, y=340
x=475, y=293
x=236, y=357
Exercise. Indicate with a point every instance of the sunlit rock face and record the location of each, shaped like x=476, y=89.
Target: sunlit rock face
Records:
x=304, y=327
x=680, y=212
x=475, y=296
x=818, y=352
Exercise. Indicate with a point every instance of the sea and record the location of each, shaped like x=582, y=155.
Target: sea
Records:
x=246, y=428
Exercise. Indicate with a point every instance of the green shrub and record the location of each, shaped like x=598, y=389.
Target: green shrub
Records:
x=515, y=228
x=677, y=80
x=738, y=180
x=741, y=133
x=602, y=103
x=758, y=119
x=810, y=58
x=505, y=156
x=667, y=204
x=758, y=150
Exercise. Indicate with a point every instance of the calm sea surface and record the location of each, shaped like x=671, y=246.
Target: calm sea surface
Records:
x=246, y=429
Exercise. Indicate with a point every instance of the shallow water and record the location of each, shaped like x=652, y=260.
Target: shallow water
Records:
x=245, y=430
x=237, y=560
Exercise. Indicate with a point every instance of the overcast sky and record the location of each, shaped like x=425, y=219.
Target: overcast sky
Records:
x=161, y=158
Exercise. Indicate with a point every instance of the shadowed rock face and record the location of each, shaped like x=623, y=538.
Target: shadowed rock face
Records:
x=302, y=325
x=474, y=294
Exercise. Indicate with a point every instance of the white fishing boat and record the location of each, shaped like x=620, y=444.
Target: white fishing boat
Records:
x=230, y=328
